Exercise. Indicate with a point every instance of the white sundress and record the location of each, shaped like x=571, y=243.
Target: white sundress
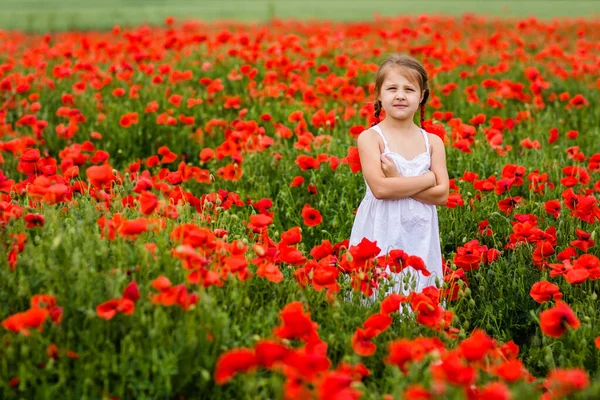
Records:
x=405, y=224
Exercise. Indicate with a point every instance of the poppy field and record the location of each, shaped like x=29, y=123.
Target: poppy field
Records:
x=176, y=202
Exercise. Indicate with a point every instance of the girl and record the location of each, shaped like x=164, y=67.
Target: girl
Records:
x=405, y=171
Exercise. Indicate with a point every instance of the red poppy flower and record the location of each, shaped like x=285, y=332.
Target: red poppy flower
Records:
x=118, y=92
x=417, y=264
x=131, y=292
x=161, y=283
x=377, y=323
x=132, y=228
x=129, y=119
x=584, y=241
x=108, y=309
x=269, y=352
x=311, y=216
x=508, y=205
x=392, y=303
x=485, y=185
x=401, y=353
x=397, y=260
x=572, y=134
x=354, y=159
x=553, y=135
x=325, y=277
x=258, y=222
x=308, y=364
x=561, y=383
x=23, y=321
x=323, y=250
x=554, y=321
x=495, y=390
x=476, y=346
x=578, y=101
x=295, y=323
x=297, y=181
x=233, y=362
x=416, y=392
x=291, y=255
x=428, y=313
x=510, y=370
x=307, y=162
x=552, y=207
x=34, y=220
x=361, y=343
x=452, y=279
x=478, y=119
x=470, y=256
x=454, y=369
x=269, y=271
x=545, y=291
x=356, y=130
x=148, y=202
x=292, y=236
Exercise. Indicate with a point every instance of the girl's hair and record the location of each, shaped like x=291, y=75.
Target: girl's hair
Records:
x=412, y=69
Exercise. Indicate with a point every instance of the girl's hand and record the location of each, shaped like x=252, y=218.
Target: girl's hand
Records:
x=433, y=177
x=388, y=167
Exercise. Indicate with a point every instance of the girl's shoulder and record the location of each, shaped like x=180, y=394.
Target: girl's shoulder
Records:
x=369, y=138
x=369, y=135
x=433, y=138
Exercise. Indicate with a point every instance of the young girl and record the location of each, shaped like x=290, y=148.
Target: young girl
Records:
x=405, y=171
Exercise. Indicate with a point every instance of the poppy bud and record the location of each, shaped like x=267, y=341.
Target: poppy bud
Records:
x=259, y=250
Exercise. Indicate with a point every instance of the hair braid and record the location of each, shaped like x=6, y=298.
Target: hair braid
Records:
x=377, y=111
x=423, y=102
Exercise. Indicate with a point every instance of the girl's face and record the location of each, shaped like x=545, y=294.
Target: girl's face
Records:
x=400, y=97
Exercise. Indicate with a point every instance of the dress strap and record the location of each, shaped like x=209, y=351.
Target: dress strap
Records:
x=377, y=129
x=426, y=139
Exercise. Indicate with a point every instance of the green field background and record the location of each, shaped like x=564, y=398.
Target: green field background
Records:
x=50, y=15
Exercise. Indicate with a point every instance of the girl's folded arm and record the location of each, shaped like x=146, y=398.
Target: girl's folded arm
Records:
x=382, y=187
x=437, y=195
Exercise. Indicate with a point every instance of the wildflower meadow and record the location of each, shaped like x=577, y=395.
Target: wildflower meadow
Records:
x=176, y=202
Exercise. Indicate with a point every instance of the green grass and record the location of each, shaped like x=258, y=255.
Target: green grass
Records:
x=51, y=15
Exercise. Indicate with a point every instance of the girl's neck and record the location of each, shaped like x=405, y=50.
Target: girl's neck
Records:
x=402, y=127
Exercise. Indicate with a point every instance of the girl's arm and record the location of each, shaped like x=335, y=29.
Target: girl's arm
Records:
x=382, y=187
x=437, y=195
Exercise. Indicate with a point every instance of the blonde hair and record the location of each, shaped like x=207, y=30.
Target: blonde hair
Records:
x=411, y=69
